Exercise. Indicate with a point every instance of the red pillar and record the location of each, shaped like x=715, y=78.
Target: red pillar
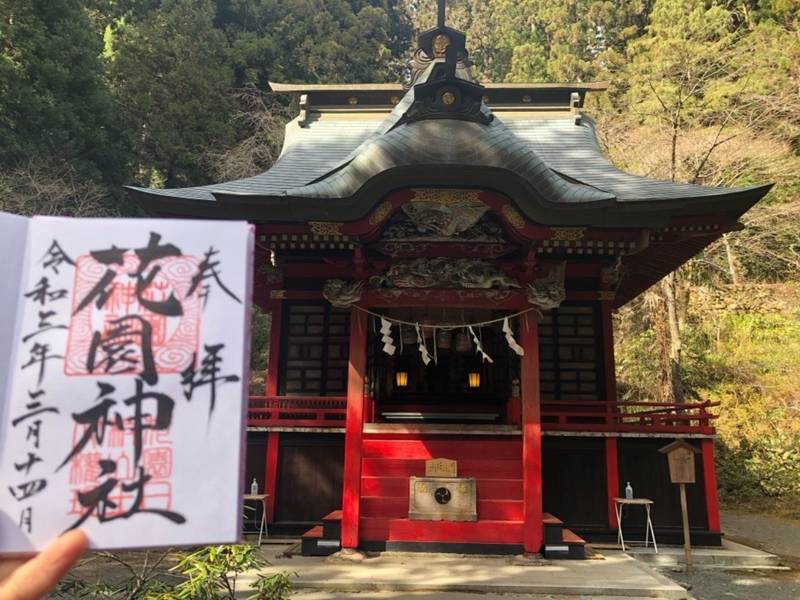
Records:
x=531, y=435
x=271, y=472
x=710, y=482
x=276, y=309
x=612, y=479
x=354, y=428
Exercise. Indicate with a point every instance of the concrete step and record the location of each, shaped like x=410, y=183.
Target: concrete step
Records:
x=731, y=555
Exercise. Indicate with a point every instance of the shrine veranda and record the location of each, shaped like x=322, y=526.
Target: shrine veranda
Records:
x=396, y=217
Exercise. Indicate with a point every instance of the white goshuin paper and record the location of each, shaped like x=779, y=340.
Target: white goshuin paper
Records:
x=199, y=458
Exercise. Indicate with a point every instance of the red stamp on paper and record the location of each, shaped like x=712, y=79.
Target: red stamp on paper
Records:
x=89, y=471
x=118, y=325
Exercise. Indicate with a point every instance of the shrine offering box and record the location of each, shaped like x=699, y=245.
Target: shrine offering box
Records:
x=124, y=352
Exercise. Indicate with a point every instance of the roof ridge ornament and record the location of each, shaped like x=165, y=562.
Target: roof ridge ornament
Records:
x=434, y=44
x=442, y=86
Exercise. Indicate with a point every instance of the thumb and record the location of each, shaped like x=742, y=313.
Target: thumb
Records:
x=39, y=575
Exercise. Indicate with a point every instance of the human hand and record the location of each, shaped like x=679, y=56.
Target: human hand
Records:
x=31, y=579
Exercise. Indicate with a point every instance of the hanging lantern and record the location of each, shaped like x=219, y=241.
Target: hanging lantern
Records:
x=444, y=340
x=409, y=335
x=427, y=332
x=462, y=342
x=474, y=380
x=401, y=379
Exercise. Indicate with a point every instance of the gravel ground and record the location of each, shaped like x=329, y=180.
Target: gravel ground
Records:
x=778, y=535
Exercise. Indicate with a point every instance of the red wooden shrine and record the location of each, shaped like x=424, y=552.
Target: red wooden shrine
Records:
x=450, y=202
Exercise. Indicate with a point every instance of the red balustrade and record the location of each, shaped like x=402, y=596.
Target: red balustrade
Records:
x=621, y=417
x=296, y=411
x=589, y=416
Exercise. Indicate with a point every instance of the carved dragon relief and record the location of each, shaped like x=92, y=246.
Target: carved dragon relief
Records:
x=444, y=273
x=444, y=215
x=548, y=292
x=341, y=293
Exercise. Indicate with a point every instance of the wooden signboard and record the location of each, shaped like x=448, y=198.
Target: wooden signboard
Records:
x=441, y=467
x=680, y=456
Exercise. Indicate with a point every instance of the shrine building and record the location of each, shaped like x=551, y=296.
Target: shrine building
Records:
x=441, y=261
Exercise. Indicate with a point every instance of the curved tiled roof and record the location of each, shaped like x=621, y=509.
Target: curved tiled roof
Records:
x=449, y=143
x=565, y=147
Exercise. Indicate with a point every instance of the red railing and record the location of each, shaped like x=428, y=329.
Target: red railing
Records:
x=590, y=416
x=296, y=411
x=644, y=417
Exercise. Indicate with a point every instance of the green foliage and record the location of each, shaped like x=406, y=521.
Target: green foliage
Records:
x=315, y=40
x=172, y=80
x=742, y=349
x=259, y=348
x=53, y=97
x=212, y=573
x=763, y=467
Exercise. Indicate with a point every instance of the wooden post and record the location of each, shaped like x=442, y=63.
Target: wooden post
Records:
x=533, y=532
x=354, y=428
x=271, y=473
x=612, y=479
x=680, y=459
x=687, y=540
x=276, y=310
x=710, y=485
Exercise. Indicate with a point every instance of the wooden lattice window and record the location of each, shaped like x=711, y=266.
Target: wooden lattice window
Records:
x=314, y=351
x=570, y=349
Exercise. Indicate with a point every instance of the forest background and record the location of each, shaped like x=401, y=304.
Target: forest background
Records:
x=95, y=94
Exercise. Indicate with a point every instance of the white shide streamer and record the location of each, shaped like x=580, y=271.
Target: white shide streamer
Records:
x=386, y=337
x=423, y=349
x=512, y=343
x=478, y=347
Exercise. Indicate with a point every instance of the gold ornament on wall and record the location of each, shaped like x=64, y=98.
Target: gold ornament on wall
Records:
x=568, y=233
x=512, y=216
x=380, y=213
x=440, y=44
x=325, y=228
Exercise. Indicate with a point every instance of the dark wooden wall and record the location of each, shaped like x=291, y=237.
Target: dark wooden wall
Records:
x=574, y=480
x=254, y=468
x=309, y=482
x=646, y=468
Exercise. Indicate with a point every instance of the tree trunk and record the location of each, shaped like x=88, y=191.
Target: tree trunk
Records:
x=734, y=272
x=674, y=391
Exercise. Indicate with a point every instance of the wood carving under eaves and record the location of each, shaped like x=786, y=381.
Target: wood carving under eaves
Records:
x=444, y=273
x=548, y=292
x=341, y=293
x=444, y=216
